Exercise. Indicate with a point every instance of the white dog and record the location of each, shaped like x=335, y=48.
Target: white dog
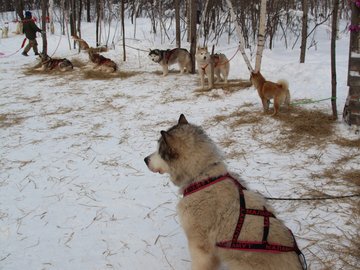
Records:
x=221, y=66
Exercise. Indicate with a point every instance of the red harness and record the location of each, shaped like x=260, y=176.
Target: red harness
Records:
x=235, y=243
x=216, y=62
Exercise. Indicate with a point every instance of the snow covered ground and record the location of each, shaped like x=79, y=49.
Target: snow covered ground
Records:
x=76, y=194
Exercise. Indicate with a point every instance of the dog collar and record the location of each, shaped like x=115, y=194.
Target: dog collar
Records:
x=206, y=183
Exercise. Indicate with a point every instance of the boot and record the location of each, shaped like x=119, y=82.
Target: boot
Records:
x=25, y=54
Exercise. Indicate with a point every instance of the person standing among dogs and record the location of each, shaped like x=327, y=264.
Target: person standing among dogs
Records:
x=30, y=29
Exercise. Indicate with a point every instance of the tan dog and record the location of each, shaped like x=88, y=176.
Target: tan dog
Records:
x=223, y=221
x=19, y=28
x=5, y=30
x=82, y=43
x=102, y=62
x=269, y=90
x=221, y=66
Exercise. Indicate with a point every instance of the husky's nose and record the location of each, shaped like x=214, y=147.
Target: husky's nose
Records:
x=147, y=159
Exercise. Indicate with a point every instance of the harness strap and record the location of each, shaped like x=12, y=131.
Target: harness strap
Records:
x=216, y=62
x=235, y=243
x=168, y=54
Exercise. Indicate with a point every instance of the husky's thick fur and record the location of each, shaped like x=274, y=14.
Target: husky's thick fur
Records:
x=269, y=90
x=221, y=66
x=48, y=63
x=210, y=215
x=101, y=62
x=167, y=58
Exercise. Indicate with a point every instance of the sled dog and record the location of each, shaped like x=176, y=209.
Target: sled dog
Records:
x=19, y=28
x=5, y=30
x=224, y=222
x=82, y=43
x=48, y=63
x=167, y=58
x=101, y=62
x=221, y=66
x=269, y=90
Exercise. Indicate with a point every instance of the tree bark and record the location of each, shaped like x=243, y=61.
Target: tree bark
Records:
x=261, y=36
x=123, y=27
x=97, y=22
x=333, y=57
x=351, y=113
x=51, y=16
x=20, y=8
x=177, y=23
x=88, y=7
x=240, y=35
x=193, y=20
x=304, y=31
x=43, y=25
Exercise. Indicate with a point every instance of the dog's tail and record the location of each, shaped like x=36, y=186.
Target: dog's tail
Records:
x=285, y=85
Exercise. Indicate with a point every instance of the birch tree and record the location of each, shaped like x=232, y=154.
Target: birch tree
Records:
x=333, y=57
x=261, y=36
x=51, y=16
x=240, y=35
x=177, y=23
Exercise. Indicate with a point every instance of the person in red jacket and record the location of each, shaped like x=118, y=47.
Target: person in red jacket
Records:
x=30, y=29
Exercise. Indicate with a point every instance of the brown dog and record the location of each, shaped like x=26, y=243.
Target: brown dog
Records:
x=82, y=43
x=269, y=90
x=102, y=62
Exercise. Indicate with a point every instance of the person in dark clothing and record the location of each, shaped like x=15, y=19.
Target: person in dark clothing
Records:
x=30, y=29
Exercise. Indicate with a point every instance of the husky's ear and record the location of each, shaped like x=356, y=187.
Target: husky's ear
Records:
x=182, y=120
x=166, y=136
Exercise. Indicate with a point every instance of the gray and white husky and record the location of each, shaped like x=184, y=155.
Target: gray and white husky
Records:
x=48, y=63
x=214, y=204
x=221, y=66
x=167, y=58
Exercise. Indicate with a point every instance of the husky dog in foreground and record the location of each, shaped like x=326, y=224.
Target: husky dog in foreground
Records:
x=223, y=221
x=221, y=66
x=167, y=58
x=101, y=62
x=48, y=63
x=269, y=90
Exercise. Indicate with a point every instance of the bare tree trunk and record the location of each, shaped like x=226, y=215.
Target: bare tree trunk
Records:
x=188, y=18
x=88, y=7
x=193, y=33
x=73, y=18
x=177, y=23
x=351, y=113
x=20, y=8
x=97, y=23
x=80, y=7
x=240, y=35
x=43, y=25
x=51, y=16
x=261, y=36
x=304, y=31
x=123, y=27
x=333, y=57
